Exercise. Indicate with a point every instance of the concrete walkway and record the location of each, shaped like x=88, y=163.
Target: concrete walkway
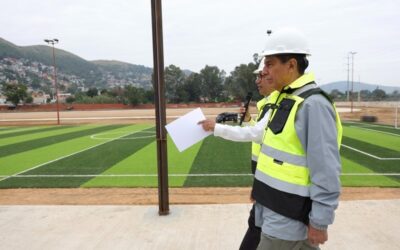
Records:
x=359, y=225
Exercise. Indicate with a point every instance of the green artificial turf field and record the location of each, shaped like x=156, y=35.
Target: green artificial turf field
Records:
x=125, y=156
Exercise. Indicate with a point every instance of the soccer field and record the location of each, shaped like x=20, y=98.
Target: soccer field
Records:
x=125, y=156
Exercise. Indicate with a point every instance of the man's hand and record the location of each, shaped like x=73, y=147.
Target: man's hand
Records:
x=208, y=125
x=247, y=116
x=316, y=237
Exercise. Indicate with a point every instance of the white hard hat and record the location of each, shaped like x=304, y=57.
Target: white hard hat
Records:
x=260, y=67
x=286, y=41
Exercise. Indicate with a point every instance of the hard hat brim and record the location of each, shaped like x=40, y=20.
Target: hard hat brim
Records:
x=278, y=52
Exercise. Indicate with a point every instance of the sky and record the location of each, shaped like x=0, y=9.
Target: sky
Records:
x=223, y=33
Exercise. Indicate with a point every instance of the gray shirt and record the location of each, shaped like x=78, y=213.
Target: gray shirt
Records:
x=316, y=128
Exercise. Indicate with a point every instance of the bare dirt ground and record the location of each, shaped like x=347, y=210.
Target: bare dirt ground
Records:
x=149, y=196
x=121, y=116
x=143, y=196
x=384, y=114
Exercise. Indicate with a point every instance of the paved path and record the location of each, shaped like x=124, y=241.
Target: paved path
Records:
x=359, y=225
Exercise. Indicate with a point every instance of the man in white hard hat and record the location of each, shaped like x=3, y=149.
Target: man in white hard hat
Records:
x=235, y=133
x=296, y=185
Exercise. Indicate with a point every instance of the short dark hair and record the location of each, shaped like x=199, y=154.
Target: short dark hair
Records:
x=302, y=62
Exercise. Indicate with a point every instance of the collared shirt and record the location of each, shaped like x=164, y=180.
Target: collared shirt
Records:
x=242, y=134
x=253, y=133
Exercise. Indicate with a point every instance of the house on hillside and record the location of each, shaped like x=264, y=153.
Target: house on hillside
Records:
x=63, y=96
x=40, y=97
x=2, y=99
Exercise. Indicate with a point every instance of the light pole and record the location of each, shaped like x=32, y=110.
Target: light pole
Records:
x=52, y=42
x=352, y=78
x=348, y=73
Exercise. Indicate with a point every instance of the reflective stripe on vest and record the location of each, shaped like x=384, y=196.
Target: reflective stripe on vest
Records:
x=282, y=185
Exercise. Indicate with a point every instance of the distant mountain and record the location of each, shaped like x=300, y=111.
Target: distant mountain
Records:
x=65, y=61
x=342, y=86
x=100, y=73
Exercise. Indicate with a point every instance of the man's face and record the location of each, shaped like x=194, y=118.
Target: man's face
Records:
x=275, y=72
x=264, y=87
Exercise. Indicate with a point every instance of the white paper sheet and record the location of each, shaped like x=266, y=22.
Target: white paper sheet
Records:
x=185, y=131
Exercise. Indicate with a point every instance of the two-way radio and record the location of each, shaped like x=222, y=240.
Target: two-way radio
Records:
x=246, y=107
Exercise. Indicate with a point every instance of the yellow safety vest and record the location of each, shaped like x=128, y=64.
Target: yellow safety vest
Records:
x=256, y=147
x=262, y=107
x=282, y=179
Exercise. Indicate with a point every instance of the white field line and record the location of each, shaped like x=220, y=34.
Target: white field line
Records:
x=370, y=155
x=383, y=132
x=359, y=124
x=16, y=130
x=100, y=135
x=129, y=175
x=370, y=125
x=65, y=156
x=371, y=174
x=84, y=118
x=174, y=175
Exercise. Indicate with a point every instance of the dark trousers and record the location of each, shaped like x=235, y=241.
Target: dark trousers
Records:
x=252, y=236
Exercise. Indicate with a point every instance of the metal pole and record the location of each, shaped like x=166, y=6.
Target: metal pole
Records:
x=56, y=85
x=395, y=116
x=159, y=90
x=359, y=90
x=348, y=73
x=52, y=42
x=352, y=79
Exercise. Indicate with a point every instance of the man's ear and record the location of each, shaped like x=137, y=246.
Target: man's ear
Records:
x=292, y=64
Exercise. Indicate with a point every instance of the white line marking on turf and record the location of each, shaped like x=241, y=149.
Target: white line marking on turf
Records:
x=65, y=156
x=84, y=118
x=172, y=175
x=99, y=136
x=370, y=125
x=371, y=155
x=372, y=174
x=17, y=130
x=383, y=132
x=127, y=175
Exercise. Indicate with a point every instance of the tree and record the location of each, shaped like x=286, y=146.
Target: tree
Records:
x=378, y=94
x=395, y=96
x=336, y=95
x=242, y=81
x=117, y=93
x=211, y=83
x=29, y=99
x=149, y=96
x=174, y=79
x=92, y=92
x=133, y=95
x=15, y=92
x=104, y=92
x=70, y=99
x=365, y=95
x=192, y=87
